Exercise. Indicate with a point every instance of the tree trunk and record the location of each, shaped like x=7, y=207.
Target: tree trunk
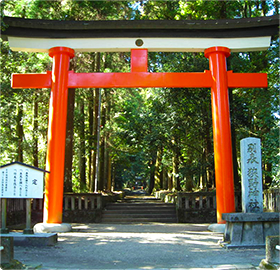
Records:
x=265, y=8
x=20, y=134
x=164, y=179
x=276, y=7
x=267, y=178
x=107, y=138
x=223, y=10
x=90, y=138
x=102, y=170
x=113, y=177
x=233, y=141
x=203, y=175
x=236, y=177
x=245, y=9
x=35, y=131
x=158, y=171
x=209, y=149
x=152, y=175
x=189, y=182
x=69, y=141
x=91, y=163
x=170, y=183
x=82, y=147
x=109, y=179
x=175, y=171
x=95, y=129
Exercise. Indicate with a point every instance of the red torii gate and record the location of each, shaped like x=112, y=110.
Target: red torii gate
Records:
x=61, y=78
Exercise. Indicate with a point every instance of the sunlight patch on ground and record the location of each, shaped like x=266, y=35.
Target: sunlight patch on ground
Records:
x=143, y=238
x=80, y=227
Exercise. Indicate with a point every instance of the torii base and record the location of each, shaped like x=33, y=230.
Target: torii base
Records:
x=218, y=228
x=52, y=227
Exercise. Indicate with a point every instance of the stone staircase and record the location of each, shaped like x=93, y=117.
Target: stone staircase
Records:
x=138, y=209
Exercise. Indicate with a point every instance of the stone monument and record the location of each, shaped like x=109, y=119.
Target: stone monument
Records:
x=251, y=167
x=250, y=228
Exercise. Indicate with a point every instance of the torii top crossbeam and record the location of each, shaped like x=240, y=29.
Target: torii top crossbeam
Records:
x=247, y=34
x=216, y=38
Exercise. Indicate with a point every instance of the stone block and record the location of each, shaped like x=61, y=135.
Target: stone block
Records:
x=37, y=239
x=253, y=233
x=249, y=229
x=7, y=253
x=233, y=229
x=251, y=217
x=272, y=254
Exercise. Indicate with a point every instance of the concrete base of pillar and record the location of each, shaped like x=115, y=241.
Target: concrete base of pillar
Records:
x=219, y=228
x=52, y=227
x=249, y=230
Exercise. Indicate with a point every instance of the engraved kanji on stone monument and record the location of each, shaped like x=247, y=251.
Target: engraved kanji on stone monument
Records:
x=251, y=167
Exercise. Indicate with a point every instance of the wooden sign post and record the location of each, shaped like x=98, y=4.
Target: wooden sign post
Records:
x=21, y=181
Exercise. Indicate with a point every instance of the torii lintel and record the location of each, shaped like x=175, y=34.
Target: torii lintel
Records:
x=139, y=77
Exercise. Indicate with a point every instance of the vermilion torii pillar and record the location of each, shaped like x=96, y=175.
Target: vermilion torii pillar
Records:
x=54, y=181
x=60, y=79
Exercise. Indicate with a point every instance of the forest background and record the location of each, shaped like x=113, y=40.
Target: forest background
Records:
x=160, y=138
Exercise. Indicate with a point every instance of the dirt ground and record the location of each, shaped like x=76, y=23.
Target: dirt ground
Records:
x=138, y=246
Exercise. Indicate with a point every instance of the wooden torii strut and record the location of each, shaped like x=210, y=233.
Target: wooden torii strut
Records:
x=61, y=78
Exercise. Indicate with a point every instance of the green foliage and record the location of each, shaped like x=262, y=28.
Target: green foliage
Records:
x=12, y=100
x=143, y=130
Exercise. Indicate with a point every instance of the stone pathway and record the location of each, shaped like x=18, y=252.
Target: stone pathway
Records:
x=139, y=246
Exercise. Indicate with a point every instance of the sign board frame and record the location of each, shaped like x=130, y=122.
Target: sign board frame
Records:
x=22, y=181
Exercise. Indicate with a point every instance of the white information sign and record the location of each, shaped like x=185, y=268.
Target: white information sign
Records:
x=19, y=180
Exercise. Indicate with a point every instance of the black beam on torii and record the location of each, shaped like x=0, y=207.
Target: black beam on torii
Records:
x=157, y=35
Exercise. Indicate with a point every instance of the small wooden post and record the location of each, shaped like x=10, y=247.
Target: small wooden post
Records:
x=28, y=229
x=4, y=216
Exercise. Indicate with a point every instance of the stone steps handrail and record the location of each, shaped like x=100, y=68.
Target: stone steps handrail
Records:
x=82, y=201
x=71, y=201
x=184, y=200
x=189, y=200
x=207, y=200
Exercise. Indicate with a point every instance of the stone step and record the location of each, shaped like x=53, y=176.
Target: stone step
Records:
x=139, y=206
x=139, y=211
x=137, y=215
x=138, y=220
